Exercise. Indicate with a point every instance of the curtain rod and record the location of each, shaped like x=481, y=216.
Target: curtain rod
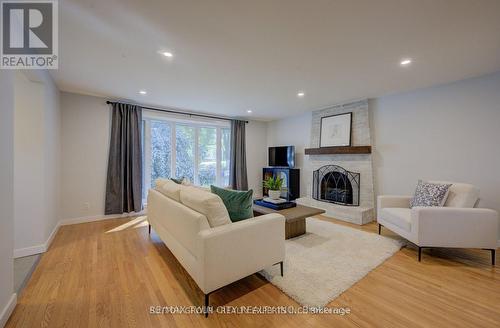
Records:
x=174, y=111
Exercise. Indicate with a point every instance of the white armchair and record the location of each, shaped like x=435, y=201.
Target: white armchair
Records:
x=456, y=225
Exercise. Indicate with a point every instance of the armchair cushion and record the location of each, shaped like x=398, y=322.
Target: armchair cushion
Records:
x=400, y=217
x=461, y=195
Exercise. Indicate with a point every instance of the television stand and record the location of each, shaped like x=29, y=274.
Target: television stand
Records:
x=291, y=181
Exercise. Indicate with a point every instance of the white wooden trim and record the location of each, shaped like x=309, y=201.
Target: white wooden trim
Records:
x=181, y=118
x=8, y=309
x=196, y=156
x=37, y=249
x=173, y=150
x=218, y=157
x=85, y=219
x=147, y=154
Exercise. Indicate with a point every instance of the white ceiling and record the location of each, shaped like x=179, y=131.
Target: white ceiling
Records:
x=235, y=55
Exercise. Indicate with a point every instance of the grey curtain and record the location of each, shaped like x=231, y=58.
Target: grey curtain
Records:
x=124, y=181
x=238, y=172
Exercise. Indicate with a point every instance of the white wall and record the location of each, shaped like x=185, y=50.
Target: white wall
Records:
x=293, y=131
x=449, y=132
x=85, y=144
x=256, y=151
x=7, y=296
x=36, y=162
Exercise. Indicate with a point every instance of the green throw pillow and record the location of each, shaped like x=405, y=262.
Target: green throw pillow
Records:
x=178, y=181
x=238, y=203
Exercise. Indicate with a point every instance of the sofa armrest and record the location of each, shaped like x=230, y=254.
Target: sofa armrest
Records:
x=455, y=227
x=393, y=201
x=234, y=251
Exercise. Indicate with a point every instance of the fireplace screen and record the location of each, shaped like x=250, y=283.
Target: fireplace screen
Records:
x=334, y=184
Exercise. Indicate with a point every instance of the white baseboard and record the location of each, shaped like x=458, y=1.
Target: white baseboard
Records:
x=93, y=218
x=37, y=249
x=8, y=309
x=27, y=251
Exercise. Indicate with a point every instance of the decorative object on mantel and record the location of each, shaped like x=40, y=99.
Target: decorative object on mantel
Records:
x=273, y=185
x=339, y=150
x=335, y=130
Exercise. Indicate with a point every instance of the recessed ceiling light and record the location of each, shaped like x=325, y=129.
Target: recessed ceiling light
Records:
x=405, y=62
x=249, y=111
x=301, y=94
x=143, y=92
x=167, y=54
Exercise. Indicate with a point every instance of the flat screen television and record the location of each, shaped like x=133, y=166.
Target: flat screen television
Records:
x=282, y=156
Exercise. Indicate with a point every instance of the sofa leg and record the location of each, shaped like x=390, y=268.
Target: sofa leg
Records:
x=419, y=253
x=206, y=305
x=149, y=228
x=379, y=228
x=281, y=268
x=493, y=251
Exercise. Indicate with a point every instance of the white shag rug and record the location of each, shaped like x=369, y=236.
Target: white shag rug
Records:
x=327, y=260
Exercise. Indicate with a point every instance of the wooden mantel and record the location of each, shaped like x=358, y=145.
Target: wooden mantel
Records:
x=339, y=150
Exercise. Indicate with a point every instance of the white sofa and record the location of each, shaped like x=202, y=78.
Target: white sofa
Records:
x=215, y=257
x=456, y=225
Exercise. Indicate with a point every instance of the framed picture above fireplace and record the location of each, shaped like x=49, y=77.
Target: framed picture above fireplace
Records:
x=335, y=130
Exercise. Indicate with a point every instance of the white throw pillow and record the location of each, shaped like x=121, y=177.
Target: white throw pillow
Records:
x=462, y=195
x=207, y=204
x=170, y=189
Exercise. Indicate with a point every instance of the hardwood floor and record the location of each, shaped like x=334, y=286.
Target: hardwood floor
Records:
x=109, y=273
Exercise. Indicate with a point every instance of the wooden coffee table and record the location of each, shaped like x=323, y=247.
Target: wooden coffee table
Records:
x=295, y=217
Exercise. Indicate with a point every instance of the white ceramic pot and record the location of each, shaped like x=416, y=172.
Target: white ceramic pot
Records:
x=274, y=194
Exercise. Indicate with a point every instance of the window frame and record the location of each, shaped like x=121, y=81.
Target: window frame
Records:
x=172, y=121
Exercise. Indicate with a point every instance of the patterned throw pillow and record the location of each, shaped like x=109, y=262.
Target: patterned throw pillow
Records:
x=430, y=194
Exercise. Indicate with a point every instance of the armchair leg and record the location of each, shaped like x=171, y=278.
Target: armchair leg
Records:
x=149, y=228
x=493, y=253
x=419, y=253
x=281, y=268
x=379, y=228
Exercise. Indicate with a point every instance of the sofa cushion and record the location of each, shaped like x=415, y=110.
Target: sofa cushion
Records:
x=461, y=195
x=159, y=182
x=207, y=204
x=430, y=194
x=238, y=203
x=170, y=189
x=400, y=217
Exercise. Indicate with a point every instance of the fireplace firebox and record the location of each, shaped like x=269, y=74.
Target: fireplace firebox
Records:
x=334, y=184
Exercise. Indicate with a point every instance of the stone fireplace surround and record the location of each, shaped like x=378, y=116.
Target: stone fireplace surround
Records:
x=360, y=163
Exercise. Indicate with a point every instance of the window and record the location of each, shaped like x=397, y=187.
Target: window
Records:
x=184, y=148
x=176, y=148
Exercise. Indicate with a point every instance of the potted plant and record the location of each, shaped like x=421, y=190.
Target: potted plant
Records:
x=273, y=184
